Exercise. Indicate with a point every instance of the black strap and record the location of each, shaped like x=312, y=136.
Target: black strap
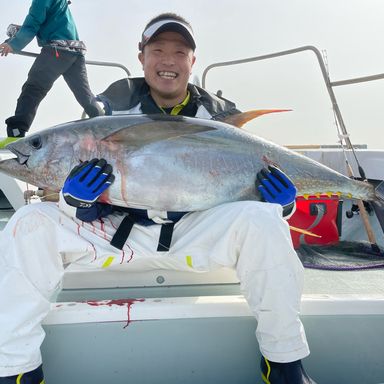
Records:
x=165, y=237
x=123, y=231
x=121, y=235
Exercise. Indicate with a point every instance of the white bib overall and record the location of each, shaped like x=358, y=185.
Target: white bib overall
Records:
x=251, y=237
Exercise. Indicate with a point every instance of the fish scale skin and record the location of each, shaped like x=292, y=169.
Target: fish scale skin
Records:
x=171, y=162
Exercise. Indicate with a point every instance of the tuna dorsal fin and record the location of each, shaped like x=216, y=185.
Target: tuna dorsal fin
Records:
x=239, y=119
x=156, y=130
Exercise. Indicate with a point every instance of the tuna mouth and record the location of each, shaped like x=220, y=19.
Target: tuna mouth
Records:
x=20, y=157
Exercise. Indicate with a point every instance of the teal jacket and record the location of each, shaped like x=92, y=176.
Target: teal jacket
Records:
x=47, y=20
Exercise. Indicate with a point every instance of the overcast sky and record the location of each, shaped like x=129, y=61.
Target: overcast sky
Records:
x=350, y=32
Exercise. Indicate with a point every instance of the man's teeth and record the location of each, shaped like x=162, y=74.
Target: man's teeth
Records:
x=168, y=75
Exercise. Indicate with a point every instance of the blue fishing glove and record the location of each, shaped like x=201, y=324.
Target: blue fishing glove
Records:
x=276, y=187
x=86, y=182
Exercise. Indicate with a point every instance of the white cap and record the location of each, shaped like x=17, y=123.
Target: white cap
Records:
x=169, y=24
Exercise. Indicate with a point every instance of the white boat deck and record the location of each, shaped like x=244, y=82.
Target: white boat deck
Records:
x=203, y=330
x=317, y=282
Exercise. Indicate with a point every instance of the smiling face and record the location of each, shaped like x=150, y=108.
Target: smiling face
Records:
x=167, y=63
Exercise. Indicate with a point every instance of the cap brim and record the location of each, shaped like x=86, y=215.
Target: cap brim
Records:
x=168, y=26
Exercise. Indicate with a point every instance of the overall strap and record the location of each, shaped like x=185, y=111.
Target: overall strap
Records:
x=121, y=235
x=165, y=239
x=135, y=216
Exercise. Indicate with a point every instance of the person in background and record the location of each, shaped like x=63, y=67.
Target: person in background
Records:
x=251, y=237
x=62, y=53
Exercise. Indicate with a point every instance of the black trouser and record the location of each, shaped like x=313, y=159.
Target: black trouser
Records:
x=46, y=69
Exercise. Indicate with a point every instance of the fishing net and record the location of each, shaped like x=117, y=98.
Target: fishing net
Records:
x=344, y=256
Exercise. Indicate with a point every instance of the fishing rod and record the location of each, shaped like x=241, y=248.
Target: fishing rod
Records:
x=345, y=141
x=342, y=131
x=343, y=134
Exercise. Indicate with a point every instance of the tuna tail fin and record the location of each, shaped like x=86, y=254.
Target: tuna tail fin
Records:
x=239, y=119
x=378, y=205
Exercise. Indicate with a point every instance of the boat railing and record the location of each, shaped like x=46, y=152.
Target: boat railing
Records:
x=88, y=62
x=343, y=134
x=328, y=83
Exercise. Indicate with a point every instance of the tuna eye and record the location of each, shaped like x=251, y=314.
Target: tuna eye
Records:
x=35, y=142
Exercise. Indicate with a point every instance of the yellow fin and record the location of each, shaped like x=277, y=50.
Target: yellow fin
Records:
x=239, y=119
x=303, y=231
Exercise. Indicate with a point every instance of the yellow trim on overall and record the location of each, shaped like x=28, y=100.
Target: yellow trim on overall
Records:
x=19, y=377
x=189, y=261
x=108, y=262
x=266, y=377
x=177, y=108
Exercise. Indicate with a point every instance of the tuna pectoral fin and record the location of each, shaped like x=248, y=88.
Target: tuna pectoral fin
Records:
x=157, y=130
x=303, y=231
x=239, y=119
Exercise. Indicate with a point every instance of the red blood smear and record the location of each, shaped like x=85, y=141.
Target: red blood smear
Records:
x=120, y=302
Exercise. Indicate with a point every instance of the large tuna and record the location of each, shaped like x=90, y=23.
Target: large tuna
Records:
x=170, y=163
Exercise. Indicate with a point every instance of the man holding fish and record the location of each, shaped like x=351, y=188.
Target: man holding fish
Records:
x=249, y=236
